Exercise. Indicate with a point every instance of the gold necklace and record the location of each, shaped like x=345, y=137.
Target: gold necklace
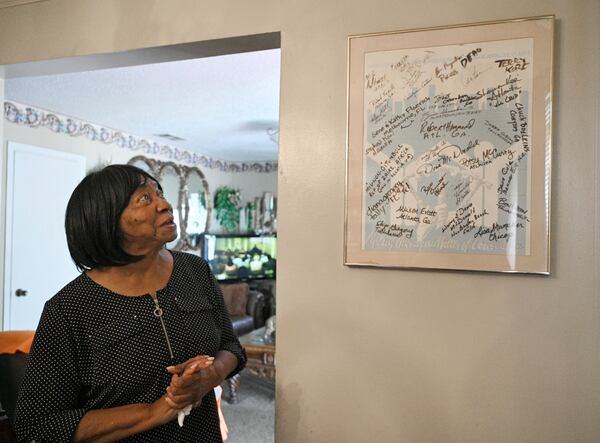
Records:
x=158, y=312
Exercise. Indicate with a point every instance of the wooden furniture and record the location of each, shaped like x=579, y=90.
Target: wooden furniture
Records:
x=261, y=354
x=261, y=361
x=14, y=350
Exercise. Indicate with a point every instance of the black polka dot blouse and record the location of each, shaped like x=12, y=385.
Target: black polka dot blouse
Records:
x=96, y=349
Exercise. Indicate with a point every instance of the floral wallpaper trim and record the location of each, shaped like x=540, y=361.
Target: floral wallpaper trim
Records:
x=35, y=118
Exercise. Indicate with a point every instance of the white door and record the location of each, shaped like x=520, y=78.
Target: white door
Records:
x=37, y=261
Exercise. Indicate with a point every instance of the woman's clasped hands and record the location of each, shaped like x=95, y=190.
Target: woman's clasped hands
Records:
x=192, y=380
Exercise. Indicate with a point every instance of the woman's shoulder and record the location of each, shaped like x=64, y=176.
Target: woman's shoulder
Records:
x=73, y=292
x=189, y=259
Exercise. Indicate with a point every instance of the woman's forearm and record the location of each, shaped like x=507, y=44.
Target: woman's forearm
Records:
x=112, y=424
x=225, y=362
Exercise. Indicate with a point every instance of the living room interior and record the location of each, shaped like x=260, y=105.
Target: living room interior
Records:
x=207, y=127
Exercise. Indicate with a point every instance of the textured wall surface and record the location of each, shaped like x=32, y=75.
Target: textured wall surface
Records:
x=393, y=355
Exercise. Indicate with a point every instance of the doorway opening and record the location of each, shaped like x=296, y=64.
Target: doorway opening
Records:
x=209, y=106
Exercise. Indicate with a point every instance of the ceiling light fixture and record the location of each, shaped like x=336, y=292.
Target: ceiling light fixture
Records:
x=170, y=137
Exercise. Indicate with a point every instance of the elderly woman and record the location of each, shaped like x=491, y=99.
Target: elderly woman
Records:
x=140, y=335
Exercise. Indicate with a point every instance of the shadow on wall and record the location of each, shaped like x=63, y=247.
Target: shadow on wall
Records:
x=288, y=400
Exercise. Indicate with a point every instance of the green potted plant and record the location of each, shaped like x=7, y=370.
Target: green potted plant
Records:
x=227, y=207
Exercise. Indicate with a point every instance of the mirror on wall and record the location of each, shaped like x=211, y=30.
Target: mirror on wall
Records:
x=170, y=179
x=145, y=164
x=196, y=203
x=186, y=188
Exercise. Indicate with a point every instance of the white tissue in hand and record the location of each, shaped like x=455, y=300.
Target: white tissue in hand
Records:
x=181, y=414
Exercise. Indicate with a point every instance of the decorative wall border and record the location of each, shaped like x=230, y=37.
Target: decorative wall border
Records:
x=60, y=124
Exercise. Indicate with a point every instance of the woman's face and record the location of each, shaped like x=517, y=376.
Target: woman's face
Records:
x=147, y=221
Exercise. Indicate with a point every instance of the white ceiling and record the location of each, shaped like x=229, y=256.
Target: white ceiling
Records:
x=222, y=106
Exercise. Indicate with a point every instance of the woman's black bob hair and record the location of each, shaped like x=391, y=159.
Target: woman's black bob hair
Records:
x=93, y=214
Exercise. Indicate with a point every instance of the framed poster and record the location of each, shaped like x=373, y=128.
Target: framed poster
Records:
x=449, y=147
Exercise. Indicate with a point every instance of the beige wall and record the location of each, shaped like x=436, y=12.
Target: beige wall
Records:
x=370, y=355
